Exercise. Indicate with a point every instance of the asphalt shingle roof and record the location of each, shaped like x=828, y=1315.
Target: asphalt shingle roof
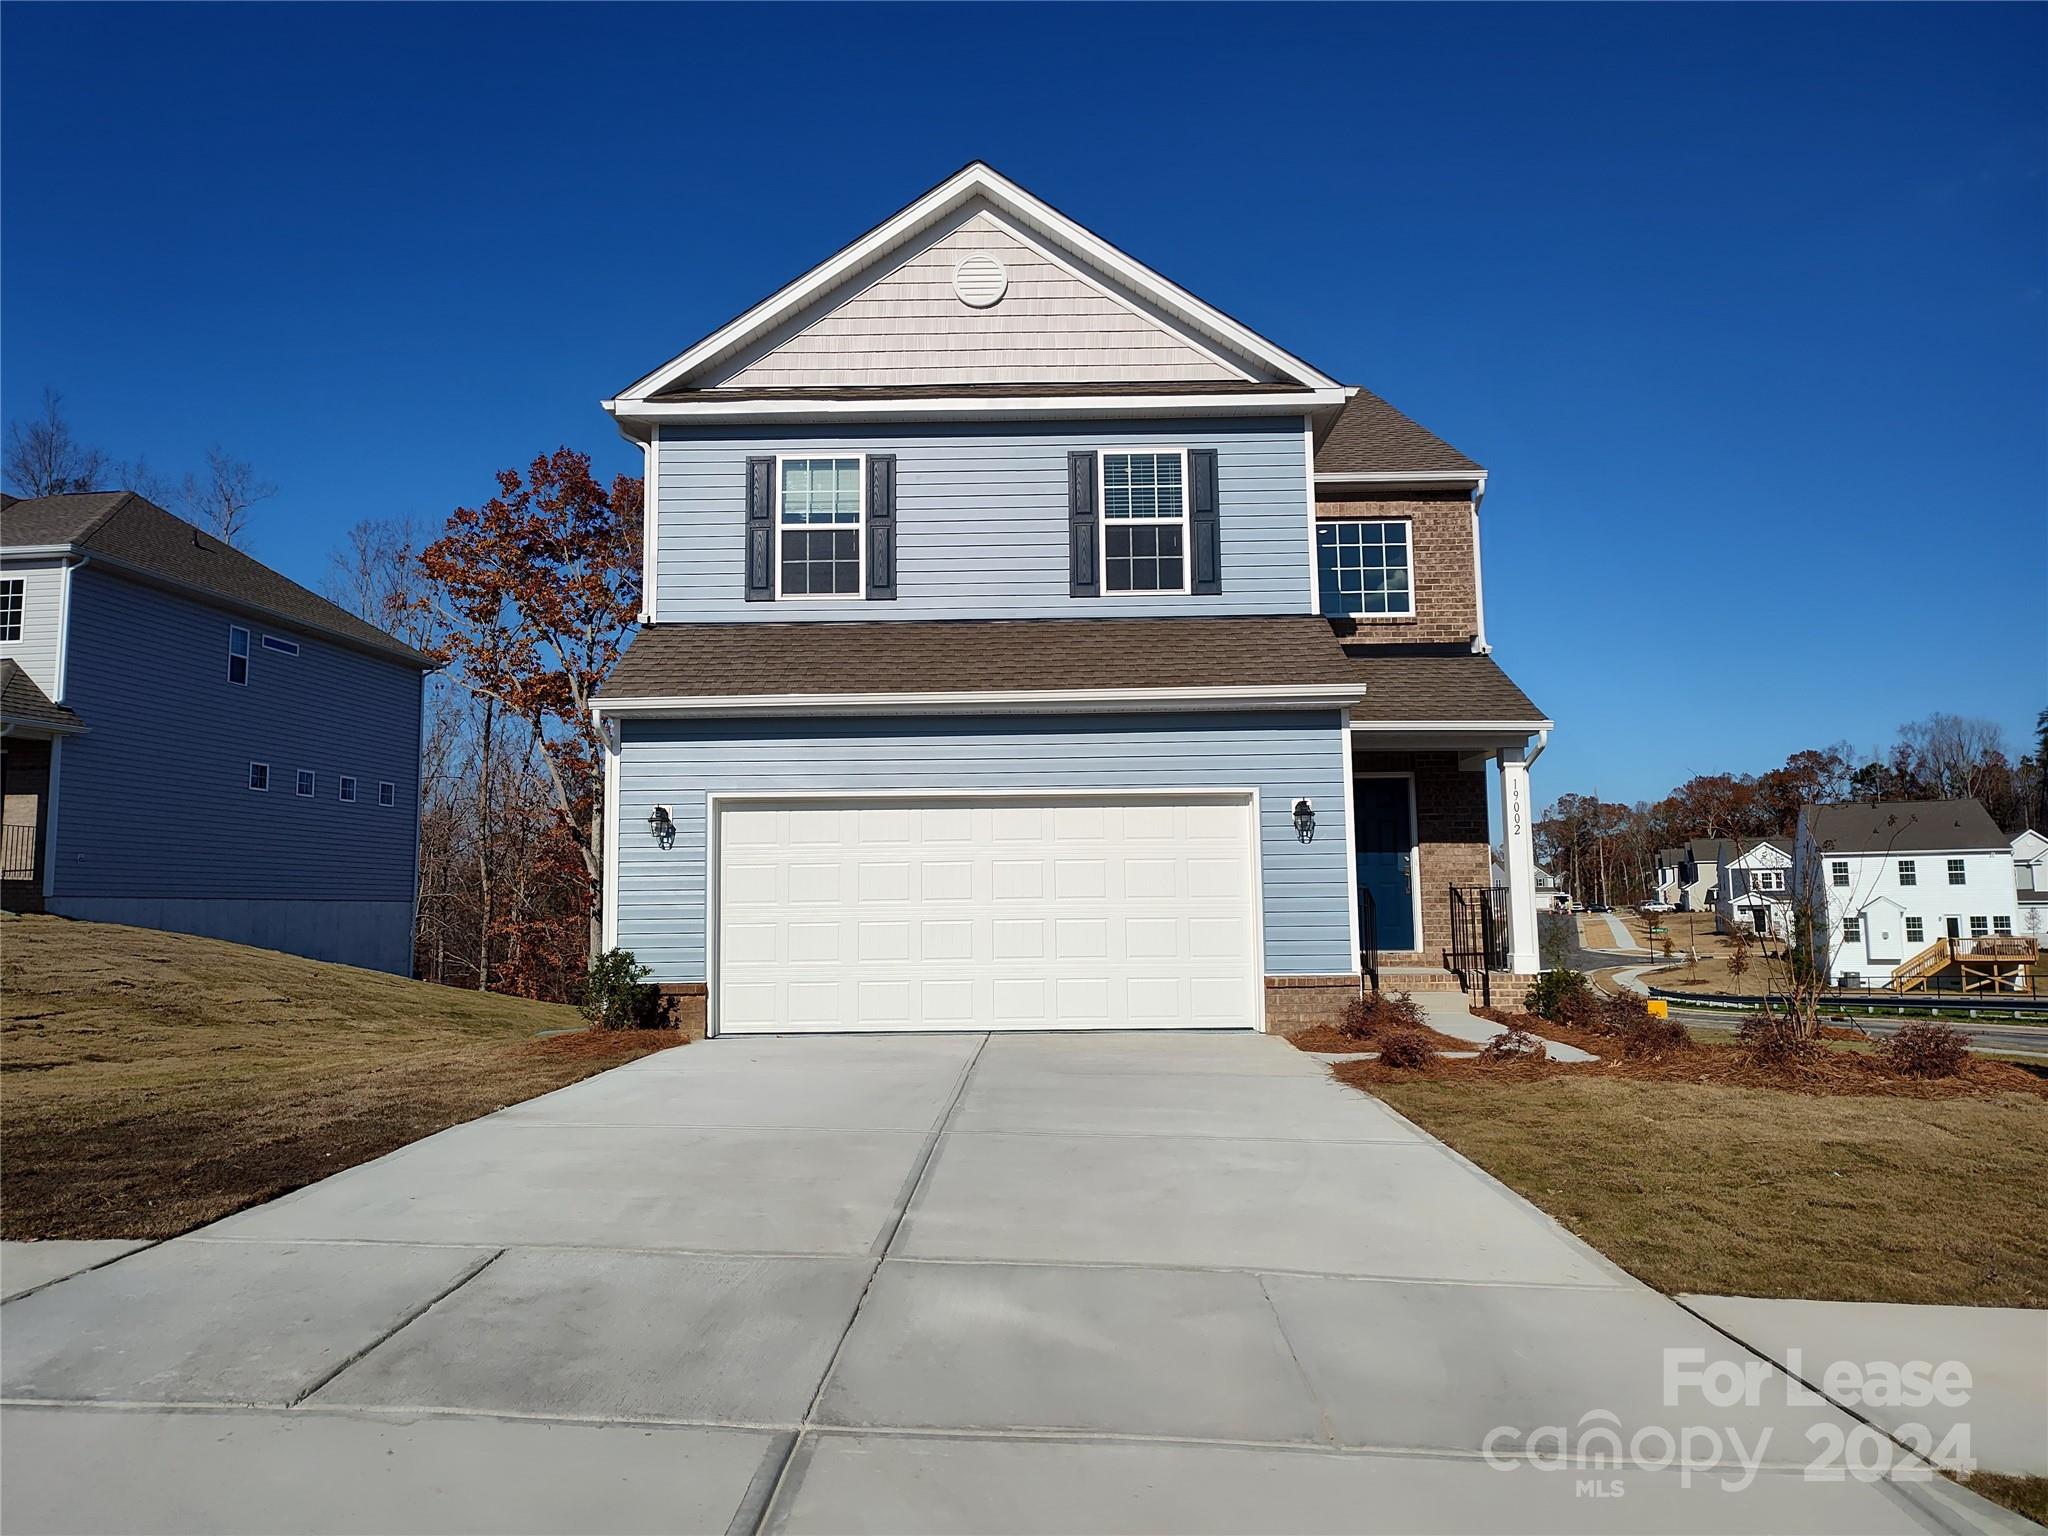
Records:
x=1904, y=826
x=22, y=700
x=128, y=529
x=1371, y=437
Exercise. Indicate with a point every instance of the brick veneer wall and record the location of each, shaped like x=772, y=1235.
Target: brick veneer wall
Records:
x=1440, y=534
x=1298, y=1003
x=683, y=1005
x=1450, y=825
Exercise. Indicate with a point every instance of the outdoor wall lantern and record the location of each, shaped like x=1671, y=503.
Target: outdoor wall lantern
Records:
x=662, y=825
x=1305, y=821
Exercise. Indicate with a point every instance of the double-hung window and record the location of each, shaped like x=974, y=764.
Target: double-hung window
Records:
x=387, y=793
x=2002, y=926
x=347, y=790
x=1145, y=521
x=1839, y=872
x=259, y=776
x=819, y=527
x=1916, y=931
x=306, y=783
x=1980, y=927
x=1852, y=930
x=1955, y=872
x=1363, y=569
x=1909, y=872
x=238, y=655
x=11, y=591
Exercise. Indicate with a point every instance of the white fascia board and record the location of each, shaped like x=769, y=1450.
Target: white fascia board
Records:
x=969, y=406
x=974, y=180
x=1000, y=701
x=1460, y=731
x=1472, y=478
x=35, y=551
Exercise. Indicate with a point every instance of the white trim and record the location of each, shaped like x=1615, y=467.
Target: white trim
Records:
x=1414, y=855
x=1064, y=407
x=312, y=790
x=1001, y=193
x=1103, y=523
x=1410, y=727
x=63, y=667
x=608, y=885
x=1472, y=477
x=1478, y=577
x=1350, y=775
x=345, y=788
x=50, y=818
x=280, y=645
x=1408, y=547
x=650, y=530
x=382, y=803
x=21, y=606
x=716, y=799
x=244, y=658
x=860, y=535
x=1308, y=459
x=249, y=782
x=1005, y=701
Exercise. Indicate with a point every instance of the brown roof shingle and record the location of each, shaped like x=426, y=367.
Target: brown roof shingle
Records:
x=766, y=660
x=1371, y=437
x=1904, y=826
x=125, y=527
x=21, y=700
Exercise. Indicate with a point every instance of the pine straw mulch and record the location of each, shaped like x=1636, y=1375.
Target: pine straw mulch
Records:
x=1821, y=1072
x=1328, y=1039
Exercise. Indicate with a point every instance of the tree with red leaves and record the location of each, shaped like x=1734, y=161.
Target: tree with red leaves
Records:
x=530, y=599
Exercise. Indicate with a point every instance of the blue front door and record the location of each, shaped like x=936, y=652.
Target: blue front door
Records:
x=1386, y=858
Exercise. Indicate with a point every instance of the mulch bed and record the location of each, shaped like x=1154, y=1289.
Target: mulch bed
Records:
x=1327, y=1038
x=1825, y=1072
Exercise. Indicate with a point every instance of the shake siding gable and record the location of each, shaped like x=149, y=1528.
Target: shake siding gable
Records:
x=1284, y=755
x=155, y=801
x=982, y=518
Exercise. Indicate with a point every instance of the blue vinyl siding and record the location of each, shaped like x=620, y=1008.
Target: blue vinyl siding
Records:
x=1284, y=755
x=981, y=519
x=153, y=802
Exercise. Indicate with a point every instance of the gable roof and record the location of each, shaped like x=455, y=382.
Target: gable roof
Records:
x=1905, y=826
x=126, y=531
x=1370, y=437
x=23, y=703
x=1066, y=241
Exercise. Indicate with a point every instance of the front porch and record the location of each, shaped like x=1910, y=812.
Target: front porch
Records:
x=1434, y=912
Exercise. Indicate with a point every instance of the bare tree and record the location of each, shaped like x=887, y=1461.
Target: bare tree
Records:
x=219, y=499
x=375, y=574
x=44, y=459
x=1953, y=754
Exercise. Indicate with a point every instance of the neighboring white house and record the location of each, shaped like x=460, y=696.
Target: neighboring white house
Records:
x=2030, y=866
x=1756, y=889
x=1894, y=878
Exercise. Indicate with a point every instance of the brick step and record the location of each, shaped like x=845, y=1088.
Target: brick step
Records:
x=1417, y=978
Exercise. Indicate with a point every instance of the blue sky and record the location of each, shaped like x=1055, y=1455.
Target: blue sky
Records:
x=1742, y=306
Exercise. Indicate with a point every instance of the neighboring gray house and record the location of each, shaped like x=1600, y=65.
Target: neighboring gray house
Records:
x=194, y=742
x=1030, y=645
x=1688, y=876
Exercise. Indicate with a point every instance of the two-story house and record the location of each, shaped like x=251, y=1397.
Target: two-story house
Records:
x=1756, y=888
x=1689, y=875
x=1909, y=894
x=193, y=741
x=1030, y=645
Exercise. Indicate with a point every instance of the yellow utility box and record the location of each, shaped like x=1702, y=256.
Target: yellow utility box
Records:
x=1659, y=1009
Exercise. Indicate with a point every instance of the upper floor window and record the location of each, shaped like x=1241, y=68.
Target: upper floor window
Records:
x=1909, y=872
x=1852, y=930
x=1767, y=880
x=1955, y=872
x=282, y=647
x=10, y=607
x=1145, y=522
x=238, y=654
x=306, y=783
x=387, y=793
x=1839, y=872
x=820, y=515
x=259, y=776
x=348, y=790
x=1363, y=569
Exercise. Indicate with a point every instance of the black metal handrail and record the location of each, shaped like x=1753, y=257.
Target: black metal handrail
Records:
x=17, y=852
x=1368, y=937
x=1479, y=940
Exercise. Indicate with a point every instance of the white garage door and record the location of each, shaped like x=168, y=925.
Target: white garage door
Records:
x=985, y=913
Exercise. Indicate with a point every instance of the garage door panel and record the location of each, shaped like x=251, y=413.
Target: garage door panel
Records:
x=997, y=914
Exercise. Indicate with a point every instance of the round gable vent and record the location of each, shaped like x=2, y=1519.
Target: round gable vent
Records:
x=979, y=280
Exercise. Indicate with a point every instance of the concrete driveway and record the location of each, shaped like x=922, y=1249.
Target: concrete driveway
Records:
x=896, y=1284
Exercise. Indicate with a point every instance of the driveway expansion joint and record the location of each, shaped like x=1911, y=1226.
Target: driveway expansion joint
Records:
x=411, y=1317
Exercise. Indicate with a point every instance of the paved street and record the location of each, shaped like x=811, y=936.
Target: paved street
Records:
x=940, y=1283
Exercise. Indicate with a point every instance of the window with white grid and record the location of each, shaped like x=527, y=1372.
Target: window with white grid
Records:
x=10, y=607
x=1144, y=522
x=1362, y=569
x=820, y=516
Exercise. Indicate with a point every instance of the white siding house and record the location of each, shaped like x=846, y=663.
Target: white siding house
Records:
x=1756, y=890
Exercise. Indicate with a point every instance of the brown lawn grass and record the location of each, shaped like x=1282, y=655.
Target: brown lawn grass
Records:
x=150, y=1081
x=2023, y=1495
x=1762, y=1192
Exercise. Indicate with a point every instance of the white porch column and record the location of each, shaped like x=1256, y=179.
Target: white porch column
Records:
x=1517, y=830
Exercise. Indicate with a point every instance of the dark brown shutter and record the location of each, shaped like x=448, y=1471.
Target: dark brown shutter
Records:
x=1084, y=579
x=881, y=525
x=1204, y=536
x=761, y=530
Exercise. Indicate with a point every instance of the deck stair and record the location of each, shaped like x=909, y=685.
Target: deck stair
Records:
x=1996, y=963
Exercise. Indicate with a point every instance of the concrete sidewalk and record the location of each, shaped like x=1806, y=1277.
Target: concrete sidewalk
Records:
x=937, y=1283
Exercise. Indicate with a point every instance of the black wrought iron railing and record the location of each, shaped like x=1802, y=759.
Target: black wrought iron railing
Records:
x=1479, y=937
x=17, y=852
x=1368, y=938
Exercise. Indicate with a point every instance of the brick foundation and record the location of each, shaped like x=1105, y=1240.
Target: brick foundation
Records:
x=683, y=1005
x=1298, y=1003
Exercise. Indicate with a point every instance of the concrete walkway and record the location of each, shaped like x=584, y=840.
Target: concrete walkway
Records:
x=898, y=1284
x=1450, y=1014
x=2002, y=1422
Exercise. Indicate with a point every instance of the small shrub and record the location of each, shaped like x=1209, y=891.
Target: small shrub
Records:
x=1364, y=1017
x=615, y=994
x=1642, y=1033
x=1559, y=994
x=1513, y=1044
x=1773, y=1040
x=1927, y=1049
x=1406, y=1049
